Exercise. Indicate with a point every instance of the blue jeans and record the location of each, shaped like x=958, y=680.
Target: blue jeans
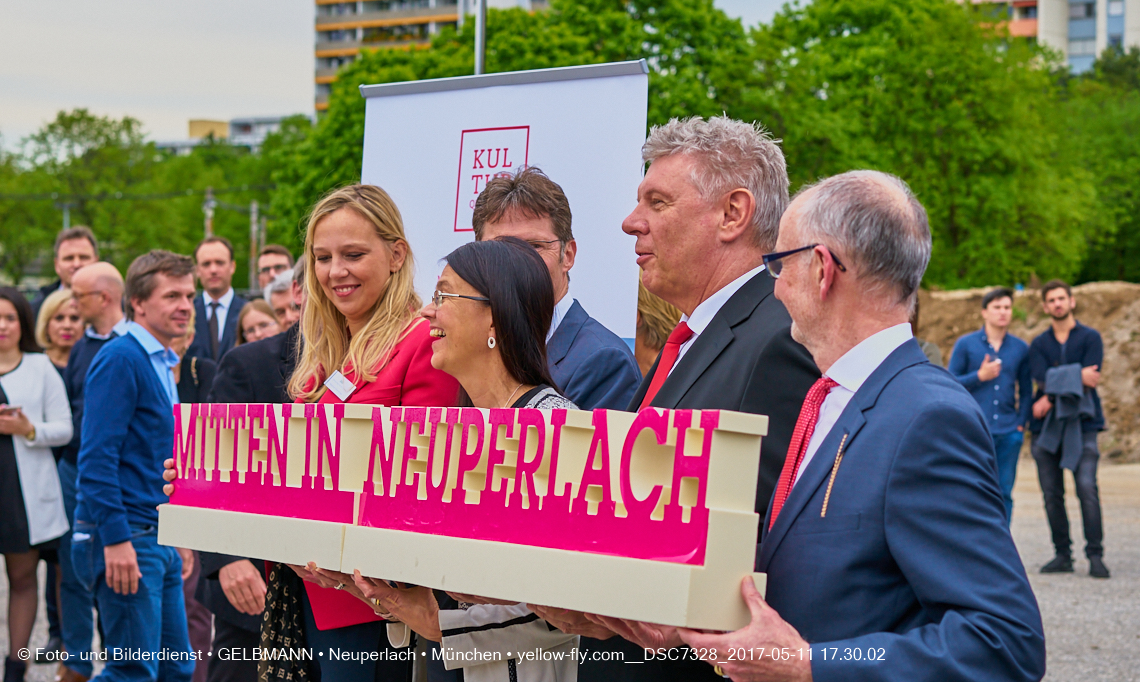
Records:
x=151, y=622
x=1007, y=447
x=76, y=600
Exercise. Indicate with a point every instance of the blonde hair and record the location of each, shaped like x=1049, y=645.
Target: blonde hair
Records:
x=327, y=346
x=51, y=305
x=260, y=306
x=658, y=317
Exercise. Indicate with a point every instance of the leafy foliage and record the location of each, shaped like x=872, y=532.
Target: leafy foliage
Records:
x=1102, y=116
x=132, y=195
x=925, y=90
x=1025, y=171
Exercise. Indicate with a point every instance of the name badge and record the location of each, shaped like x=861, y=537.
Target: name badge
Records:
x=340, y=386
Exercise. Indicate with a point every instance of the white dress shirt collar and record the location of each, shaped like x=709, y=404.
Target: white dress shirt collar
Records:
x=851, y=371
x=853, y=368
x=561, y=308
x=223, y=302
x=704, y=313
x=120, y=329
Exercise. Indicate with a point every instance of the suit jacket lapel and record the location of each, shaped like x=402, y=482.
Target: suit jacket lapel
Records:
x=850, y=423
x=712, y=341
x=817, y=471
x=564, y=336
x=229, y=334
x=201, y=325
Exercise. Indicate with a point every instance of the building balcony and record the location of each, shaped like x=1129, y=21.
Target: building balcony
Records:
x=349, y=48
x=337, y=48
x=418, y=15
x=1023, y=28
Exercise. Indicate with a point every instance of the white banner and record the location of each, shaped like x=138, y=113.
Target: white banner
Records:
x=433, y=145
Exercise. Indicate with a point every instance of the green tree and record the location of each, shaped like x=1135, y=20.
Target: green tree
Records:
x=932, y=91
x=1102, y=120
x=698, y=58
x=23, y=224
x=134, y=196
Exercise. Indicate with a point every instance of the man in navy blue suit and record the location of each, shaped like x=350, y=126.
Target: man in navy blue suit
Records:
x=885, y=544
x=591, y=365
x=216, y=310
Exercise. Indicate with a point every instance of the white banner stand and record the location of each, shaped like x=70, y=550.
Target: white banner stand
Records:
x=434, y=144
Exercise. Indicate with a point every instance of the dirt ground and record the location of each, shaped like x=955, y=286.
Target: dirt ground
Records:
x=1112, y=308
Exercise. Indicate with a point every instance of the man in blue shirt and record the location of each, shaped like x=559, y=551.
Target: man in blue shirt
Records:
x=991, y=365
x=1067, y=342
x=98, y=293
x=128, y=430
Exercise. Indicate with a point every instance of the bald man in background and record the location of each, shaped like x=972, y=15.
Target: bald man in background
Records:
x=98, y=292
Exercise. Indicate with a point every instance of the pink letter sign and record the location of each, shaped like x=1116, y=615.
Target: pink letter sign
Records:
x=593, y=511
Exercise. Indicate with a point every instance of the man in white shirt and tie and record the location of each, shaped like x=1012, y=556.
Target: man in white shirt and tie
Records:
x=885, y=547
x=217, y=308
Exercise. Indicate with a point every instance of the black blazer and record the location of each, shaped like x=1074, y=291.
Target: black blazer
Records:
x=201, y=346
x=255, y=372
x=747, y=361
x=196, y=376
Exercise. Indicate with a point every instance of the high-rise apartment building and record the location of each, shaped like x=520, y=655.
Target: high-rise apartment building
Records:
x=1079, y=29
x=345, y=28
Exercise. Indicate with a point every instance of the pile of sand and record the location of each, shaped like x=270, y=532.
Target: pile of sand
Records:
x=1112, y=308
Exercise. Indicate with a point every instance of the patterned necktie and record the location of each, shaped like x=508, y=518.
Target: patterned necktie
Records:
x=805, y=427
x=681, y=333
x=214, y=330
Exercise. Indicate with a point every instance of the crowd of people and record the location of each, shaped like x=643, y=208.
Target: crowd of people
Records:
x=796, y=308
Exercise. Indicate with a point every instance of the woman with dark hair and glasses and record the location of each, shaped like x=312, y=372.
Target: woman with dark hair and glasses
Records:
x=489, y=316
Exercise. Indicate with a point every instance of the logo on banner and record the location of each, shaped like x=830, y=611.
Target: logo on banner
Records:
x=486, y=153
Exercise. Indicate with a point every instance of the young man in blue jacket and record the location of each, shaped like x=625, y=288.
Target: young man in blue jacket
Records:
x=1068, y=342
x=991, y=364
x=128, y=430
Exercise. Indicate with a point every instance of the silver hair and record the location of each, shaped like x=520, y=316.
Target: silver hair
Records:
x=875, y=223
x=283, y=281
x=730, y=154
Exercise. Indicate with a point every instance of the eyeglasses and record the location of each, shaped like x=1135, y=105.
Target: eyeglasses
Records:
x=540, y=245
x=275, y=269
x=438, y=296
x=254, y=328
x=80, y=296
x=774, y=261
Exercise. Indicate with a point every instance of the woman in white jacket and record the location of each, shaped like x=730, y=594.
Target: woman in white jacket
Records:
x=34, y=416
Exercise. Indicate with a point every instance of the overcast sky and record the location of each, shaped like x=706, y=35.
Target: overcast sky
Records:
x=165, y=63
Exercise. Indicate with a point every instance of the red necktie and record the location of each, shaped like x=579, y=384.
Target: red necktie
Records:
x=805, y=427
x=681, y=333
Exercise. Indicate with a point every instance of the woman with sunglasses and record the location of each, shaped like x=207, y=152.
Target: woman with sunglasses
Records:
x=489, y=317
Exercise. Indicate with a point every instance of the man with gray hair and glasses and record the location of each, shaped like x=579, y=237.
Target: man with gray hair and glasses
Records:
x=707, y=210
x=886, y=546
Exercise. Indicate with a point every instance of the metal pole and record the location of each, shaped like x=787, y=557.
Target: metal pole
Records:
x=67, y=216
x=208, y=209
x=261, y=232
x=253, y=238
x=480, y=37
